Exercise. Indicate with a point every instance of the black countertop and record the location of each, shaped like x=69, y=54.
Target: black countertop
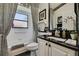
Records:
x=76, y=48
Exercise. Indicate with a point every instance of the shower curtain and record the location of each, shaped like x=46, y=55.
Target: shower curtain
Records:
x=7, y=13
x=34, y=11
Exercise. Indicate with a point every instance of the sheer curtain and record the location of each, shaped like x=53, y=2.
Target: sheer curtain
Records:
x=34, y=11
x=7, y=13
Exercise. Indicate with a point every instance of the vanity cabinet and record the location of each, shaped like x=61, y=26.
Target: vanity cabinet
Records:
x=47, y=48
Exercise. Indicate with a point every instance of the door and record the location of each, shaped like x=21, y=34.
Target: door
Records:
x=42, y=47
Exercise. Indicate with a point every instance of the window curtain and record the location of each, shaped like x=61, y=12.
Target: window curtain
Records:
x=34, y=11
x=7, y=13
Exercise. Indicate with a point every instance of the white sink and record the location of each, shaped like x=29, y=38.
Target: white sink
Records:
x=58, y=39
x=70, y=41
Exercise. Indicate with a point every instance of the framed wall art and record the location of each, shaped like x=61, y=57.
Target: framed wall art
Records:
x=42, y=15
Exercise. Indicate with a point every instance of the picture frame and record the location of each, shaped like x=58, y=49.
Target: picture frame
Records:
x=59, y=20
x=42, y=15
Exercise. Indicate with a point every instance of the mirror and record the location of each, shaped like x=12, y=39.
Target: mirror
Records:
x=62, y=16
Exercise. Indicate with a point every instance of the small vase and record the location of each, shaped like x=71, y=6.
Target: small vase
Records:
x=74, y=36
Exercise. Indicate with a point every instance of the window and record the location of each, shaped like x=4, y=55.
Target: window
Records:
x=20, y=20
x=20, y=17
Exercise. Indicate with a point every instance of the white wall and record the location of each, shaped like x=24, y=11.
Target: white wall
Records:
x=17, y=36
x=65, y=11
x=43, y=6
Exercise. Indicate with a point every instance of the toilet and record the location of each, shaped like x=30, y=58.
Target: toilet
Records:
x=33, y=47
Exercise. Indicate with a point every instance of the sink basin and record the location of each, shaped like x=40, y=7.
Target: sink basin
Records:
x=70, y=41
x=58, y=39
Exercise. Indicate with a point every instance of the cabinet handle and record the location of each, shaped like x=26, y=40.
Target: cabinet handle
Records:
x=49, y=45
x=46, y=43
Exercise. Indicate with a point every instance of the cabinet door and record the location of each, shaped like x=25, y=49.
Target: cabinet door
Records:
x=50, y=49
x=71, y=52
x=61, y=51
x=57, y=52
x=42, y=47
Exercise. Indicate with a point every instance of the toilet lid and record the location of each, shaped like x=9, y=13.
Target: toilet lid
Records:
x=32, y=44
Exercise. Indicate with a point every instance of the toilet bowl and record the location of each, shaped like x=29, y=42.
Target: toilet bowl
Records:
x=32, y=47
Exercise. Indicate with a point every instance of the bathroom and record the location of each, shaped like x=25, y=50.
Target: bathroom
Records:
x=40, y=29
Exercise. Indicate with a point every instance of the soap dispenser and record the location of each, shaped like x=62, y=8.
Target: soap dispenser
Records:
x=64, y=33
